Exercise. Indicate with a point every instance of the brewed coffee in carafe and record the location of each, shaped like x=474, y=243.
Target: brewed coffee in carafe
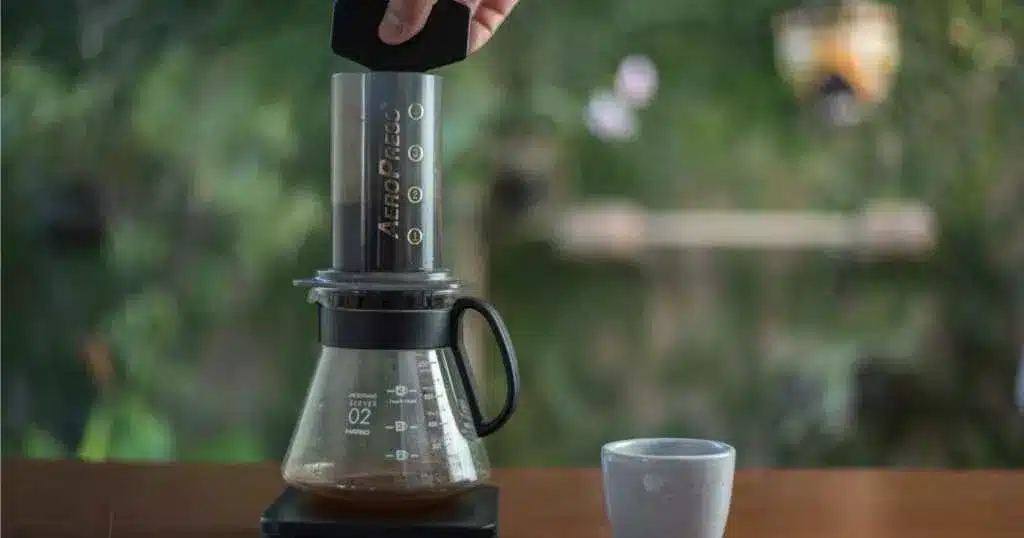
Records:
x=391, y=416
x=385, y=426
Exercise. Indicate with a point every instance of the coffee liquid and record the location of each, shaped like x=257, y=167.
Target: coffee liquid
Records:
x=379, y=491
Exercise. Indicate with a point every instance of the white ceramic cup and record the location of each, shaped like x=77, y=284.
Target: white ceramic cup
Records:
x=667, y=488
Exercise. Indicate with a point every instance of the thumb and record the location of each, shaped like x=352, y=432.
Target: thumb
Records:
x=403, y=19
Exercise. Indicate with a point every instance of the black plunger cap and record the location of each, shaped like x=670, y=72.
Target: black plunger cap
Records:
x=444, y=39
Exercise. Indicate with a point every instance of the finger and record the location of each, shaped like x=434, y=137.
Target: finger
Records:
x=403, y=19
x=487, y=17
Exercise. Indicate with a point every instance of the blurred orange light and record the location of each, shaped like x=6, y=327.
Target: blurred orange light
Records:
x=857, y=41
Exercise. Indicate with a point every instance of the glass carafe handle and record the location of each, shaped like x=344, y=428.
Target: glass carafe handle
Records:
x=485, y=427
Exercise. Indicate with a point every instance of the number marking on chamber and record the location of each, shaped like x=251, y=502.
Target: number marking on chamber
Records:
x=415, y=236
x=415, y=195
x=415, y=153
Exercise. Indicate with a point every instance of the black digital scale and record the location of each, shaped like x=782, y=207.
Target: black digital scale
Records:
x=296, y=515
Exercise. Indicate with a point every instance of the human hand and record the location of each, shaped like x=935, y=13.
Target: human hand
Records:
x=405, y=18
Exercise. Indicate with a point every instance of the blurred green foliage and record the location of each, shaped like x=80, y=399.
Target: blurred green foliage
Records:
x=205, y=128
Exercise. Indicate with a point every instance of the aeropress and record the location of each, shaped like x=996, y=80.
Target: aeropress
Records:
x=389, y=440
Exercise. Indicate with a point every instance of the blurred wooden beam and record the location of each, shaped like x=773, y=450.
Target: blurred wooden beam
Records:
x=625, y=230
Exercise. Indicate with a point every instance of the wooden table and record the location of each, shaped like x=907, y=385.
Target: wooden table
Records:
x=58, y=499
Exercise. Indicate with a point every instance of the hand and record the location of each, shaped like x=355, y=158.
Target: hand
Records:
x=405, y=18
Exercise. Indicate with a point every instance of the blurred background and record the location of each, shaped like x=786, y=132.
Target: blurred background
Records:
x=796, y=228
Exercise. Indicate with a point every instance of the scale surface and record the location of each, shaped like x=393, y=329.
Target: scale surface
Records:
x=293, y=515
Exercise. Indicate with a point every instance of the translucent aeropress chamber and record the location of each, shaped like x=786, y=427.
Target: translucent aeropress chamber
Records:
x=386, y=172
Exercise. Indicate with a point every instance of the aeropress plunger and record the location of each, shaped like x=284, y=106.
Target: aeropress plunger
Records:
x=389, y=440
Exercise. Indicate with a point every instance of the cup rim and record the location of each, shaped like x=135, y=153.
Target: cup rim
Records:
x=716, y=449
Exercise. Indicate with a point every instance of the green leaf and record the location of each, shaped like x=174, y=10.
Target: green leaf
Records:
x=126, y=429
x=39, y=444
x=141, y=434
x=95, y=445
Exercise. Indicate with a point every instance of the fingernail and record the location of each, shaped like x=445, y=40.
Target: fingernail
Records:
x=392, y=28
x=477, y=40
